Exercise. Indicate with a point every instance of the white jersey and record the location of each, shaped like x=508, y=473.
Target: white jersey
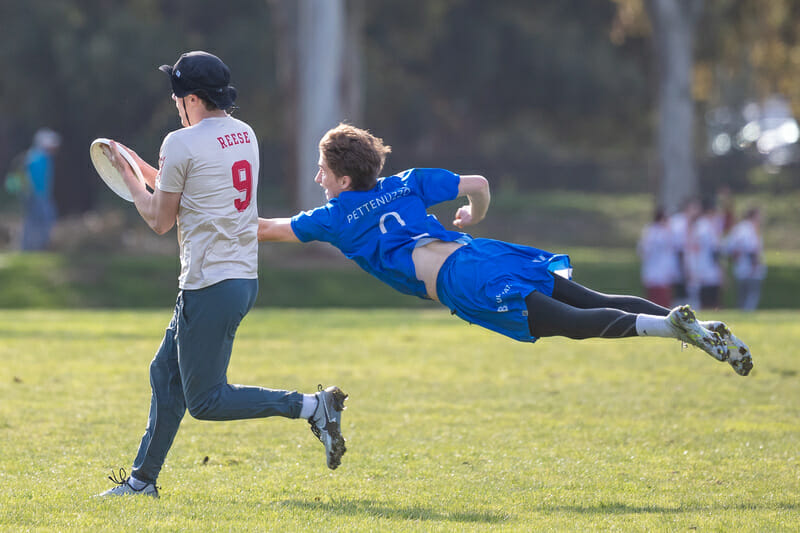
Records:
x=702, y=253
x=214, y=164
x=656, y=248
x=745, y=246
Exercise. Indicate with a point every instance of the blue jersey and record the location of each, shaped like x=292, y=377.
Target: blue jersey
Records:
x=40, y=169
x=379, y=228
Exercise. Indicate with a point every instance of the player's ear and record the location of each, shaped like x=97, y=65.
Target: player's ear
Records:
x=346, y=182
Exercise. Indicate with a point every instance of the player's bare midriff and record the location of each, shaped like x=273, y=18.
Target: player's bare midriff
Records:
x=428, y=259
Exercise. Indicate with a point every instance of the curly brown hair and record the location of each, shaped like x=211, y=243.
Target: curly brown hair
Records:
x=354, y=152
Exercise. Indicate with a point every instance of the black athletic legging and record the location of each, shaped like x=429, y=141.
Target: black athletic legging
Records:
x=580, y=313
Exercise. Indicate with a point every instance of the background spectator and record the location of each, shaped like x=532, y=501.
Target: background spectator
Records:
x=656, y=248
x=679, y=227
x=31, y=179
x=745, y=247
x=702, y=257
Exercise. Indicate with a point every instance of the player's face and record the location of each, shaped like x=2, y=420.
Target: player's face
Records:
x=330, y=182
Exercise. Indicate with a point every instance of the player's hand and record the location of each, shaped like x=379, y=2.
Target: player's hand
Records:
x=119, y=162
x=463, y=217
x=139, y=161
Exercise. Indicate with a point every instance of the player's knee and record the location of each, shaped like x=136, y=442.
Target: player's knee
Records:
x=201, y=411
x=159, y=372
x=203, y=407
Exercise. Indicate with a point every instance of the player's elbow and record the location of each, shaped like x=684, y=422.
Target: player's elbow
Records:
x=479, y=196
x=161, y=227
x=482, y=185
x=473, y=186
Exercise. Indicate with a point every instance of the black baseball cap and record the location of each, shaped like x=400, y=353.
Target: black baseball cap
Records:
x=203, y=73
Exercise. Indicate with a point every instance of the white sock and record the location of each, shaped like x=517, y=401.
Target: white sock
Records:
x=136, y=484
x=309, y=405
x=653, y=326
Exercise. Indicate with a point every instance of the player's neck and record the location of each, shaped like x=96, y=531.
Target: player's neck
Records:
x=203, y=113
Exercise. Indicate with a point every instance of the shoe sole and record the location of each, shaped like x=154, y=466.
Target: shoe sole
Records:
x=339, y=396
x=111, y=494
x=740, y=359
x=334, y=431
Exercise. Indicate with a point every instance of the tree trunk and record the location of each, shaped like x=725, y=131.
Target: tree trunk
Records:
x=320, y=49
x=674, y=24
x=319, y=70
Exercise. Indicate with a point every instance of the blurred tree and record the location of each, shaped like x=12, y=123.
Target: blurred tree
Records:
x=556, y=93
x=748, y=51
x=674, y=23
x=319, y=68
x=285, y=23
x=88, y=68
x=671, y=25
x=753, y=45
x=534, y=94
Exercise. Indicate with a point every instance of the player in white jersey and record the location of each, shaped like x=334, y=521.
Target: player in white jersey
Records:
x=206, y=183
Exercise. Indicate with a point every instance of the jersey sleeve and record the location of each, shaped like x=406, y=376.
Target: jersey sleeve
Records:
x=314, y=225
x=433, y=185
x=173, y=163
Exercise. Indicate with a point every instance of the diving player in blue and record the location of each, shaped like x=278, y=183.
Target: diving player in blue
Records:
x=522, y=292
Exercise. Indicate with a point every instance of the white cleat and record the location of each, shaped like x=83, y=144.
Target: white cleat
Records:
x=739, y=356
x=688, y=329
x=124, y=488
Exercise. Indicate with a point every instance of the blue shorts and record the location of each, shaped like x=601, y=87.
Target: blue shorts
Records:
x=485, y=282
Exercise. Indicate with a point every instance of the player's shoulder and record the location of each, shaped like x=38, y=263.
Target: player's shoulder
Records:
x=237, y=124
x=322, y=216
x=176, y=140
x=238, y=121
x=425, y=173
x=238, y=128
x=429, y=181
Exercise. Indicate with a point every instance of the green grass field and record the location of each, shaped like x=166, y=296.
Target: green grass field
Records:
x=126, y=281
x=449, y=428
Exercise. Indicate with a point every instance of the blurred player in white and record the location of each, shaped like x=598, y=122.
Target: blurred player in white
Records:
x=702, y=257
x=746, y=249
x=657, y=252
x=206, y=182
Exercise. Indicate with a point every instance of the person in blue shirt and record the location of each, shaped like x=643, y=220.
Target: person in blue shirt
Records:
x=522, y=292
x=40, y=210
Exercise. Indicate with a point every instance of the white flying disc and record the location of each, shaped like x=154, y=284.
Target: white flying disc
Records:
x=100, y=153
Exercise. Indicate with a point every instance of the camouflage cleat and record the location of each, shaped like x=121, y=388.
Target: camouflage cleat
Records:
x=686, y=328
x=738, y=353
x=326, y=423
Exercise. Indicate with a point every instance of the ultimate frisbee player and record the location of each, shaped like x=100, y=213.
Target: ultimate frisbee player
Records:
x=206, y=183
x=524, y=293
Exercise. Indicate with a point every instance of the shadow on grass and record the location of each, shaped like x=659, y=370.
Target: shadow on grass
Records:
x=80, y=334
x=621, y=508
x=382, y=510
x=422, y=513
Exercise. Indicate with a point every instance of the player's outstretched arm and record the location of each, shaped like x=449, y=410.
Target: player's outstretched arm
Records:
x=276, y=230
x=476, y=189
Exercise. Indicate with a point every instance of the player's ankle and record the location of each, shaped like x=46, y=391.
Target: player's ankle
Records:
x=653, y=326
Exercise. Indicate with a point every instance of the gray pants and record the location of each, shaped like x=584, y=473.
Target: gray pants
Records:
x=190, y=368
x=40, y=216
x=748, y=293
